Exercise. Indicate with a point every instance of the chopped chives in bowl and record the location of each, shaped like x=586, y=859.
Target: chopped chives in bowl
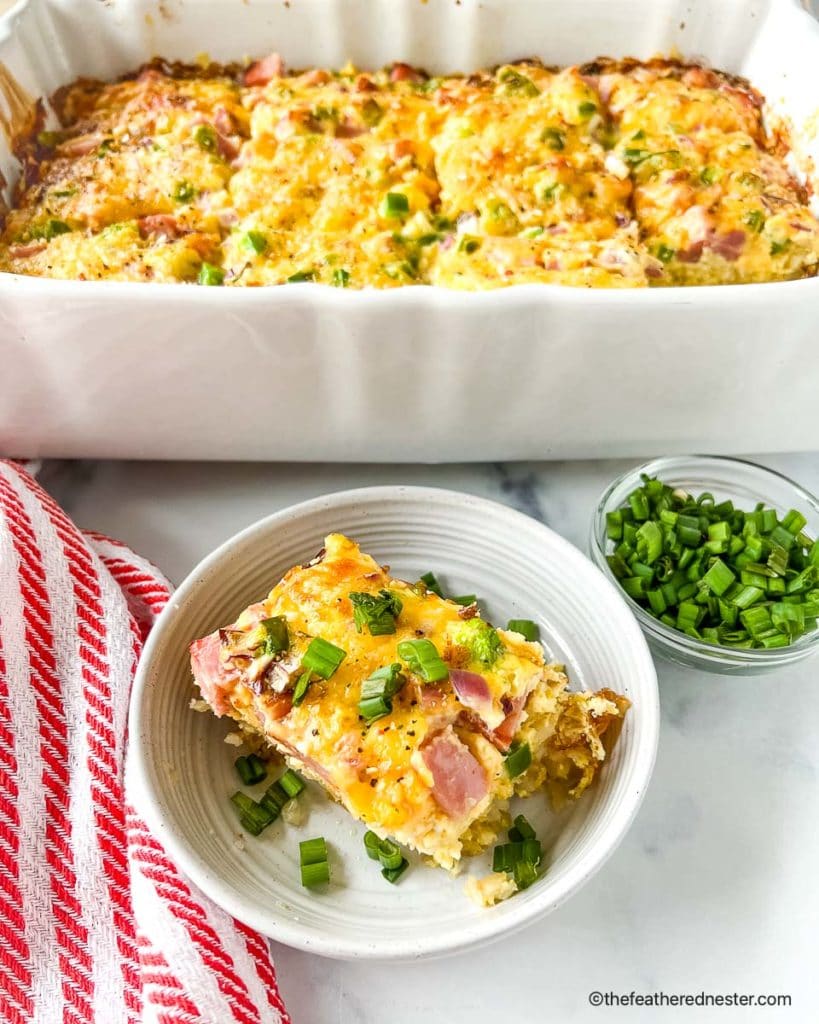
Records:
x=738, y=578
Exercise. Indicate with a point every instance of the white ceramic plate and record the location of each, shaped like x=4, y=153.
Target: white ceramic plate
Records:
x=520, y=569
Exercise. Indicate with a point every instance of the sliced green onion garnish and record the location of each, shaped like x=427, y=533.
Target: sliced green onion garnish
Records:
x=301, y=277
x=315, y=874
x=755, y=219
x=322, y=657
x=378, y=690
x=341, y=277
x=313, y=851
x=393, y=874
x=205, y=136
x=300, y=689
x=377, y=612
x=291, y=783
x=518, y=759
x=394, y=205
x=210, y=275
x=528, y=630
x=253, y=817
x=372, y=844
x=251, y=769
x=431, y=583
x=373, y=708
x=183, y=192
x=389, y=854
x=52, y=228
x=254, y=241
x=524, y=828
x=525, y=874
x=553, y=138
x=465, y=599
x=423, y=659
x=515, y=82
x=277, y=638
x=587, y=109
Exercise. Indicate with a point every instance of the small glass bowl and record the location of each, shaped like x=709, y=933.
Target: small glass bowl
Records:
x=744, y=483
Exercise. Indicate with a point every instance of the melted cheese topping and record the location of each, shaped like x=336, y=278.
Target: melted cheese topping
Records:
x=379, y=770
x=614, y=174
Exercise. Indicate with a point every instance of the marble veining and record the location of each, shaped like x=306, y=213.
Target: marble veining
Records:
x=713, y=887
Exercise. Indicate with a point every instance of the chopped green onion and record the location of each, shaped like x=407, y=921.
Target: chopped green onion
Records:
x=755, y=220
x=251, y=769
x=300, y=689
x=719, y=577
x=423, y=659
x=377, y=612
x=639, y=504
x=614, y=525
x=711, y=570
x=518, y=759
x=373, y=708
x=302, y=277
x=205, y=136
x=372, y=844
x=210, y=275
x=341, y=277
x=378, y=690
x=393, y=874
x=794, y=522
x=431, y=583
x=322, y=657
x=183, y=192
x=315, y=874
x=389, y=854
x=277, y=638
x=515, y=82
x=748, y=596
x=313, y=851
x=291, y=783
x=253, y=817
x=708, y=175
x=525, y=874
x=524, y=828
x=469, y=244
x=465, y=600
x=254, y=241
x=649, y=542
x=52, y=228
x=553, y=138
x=394, y=205
x=528, y=630
x=587, y=109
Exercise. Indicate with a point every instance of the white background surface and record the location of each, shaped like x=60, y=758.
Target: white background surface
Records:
x=713, y=889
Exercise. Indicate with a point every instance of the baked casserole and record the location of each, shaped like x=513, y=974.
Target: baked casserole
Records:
x=609, y=174
x=426, y=760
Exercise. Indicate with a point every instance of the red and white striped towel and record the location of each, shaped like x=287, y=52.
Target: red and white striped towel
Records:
x=96, y=923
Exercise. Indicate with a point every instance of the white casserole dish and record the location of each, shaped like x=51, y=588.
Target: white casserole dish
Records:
x=536, y=371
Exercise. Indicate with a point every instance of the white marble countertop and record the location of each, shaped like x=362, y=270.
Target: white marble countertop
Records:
x=714, y=888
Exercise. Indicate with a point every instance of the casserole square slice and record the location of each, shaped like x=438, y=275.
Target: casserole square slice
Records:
x=430, y=772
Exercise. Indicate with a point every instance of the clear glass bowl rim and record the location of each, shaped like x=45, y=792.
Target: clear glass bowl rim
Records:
x=672, y=639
